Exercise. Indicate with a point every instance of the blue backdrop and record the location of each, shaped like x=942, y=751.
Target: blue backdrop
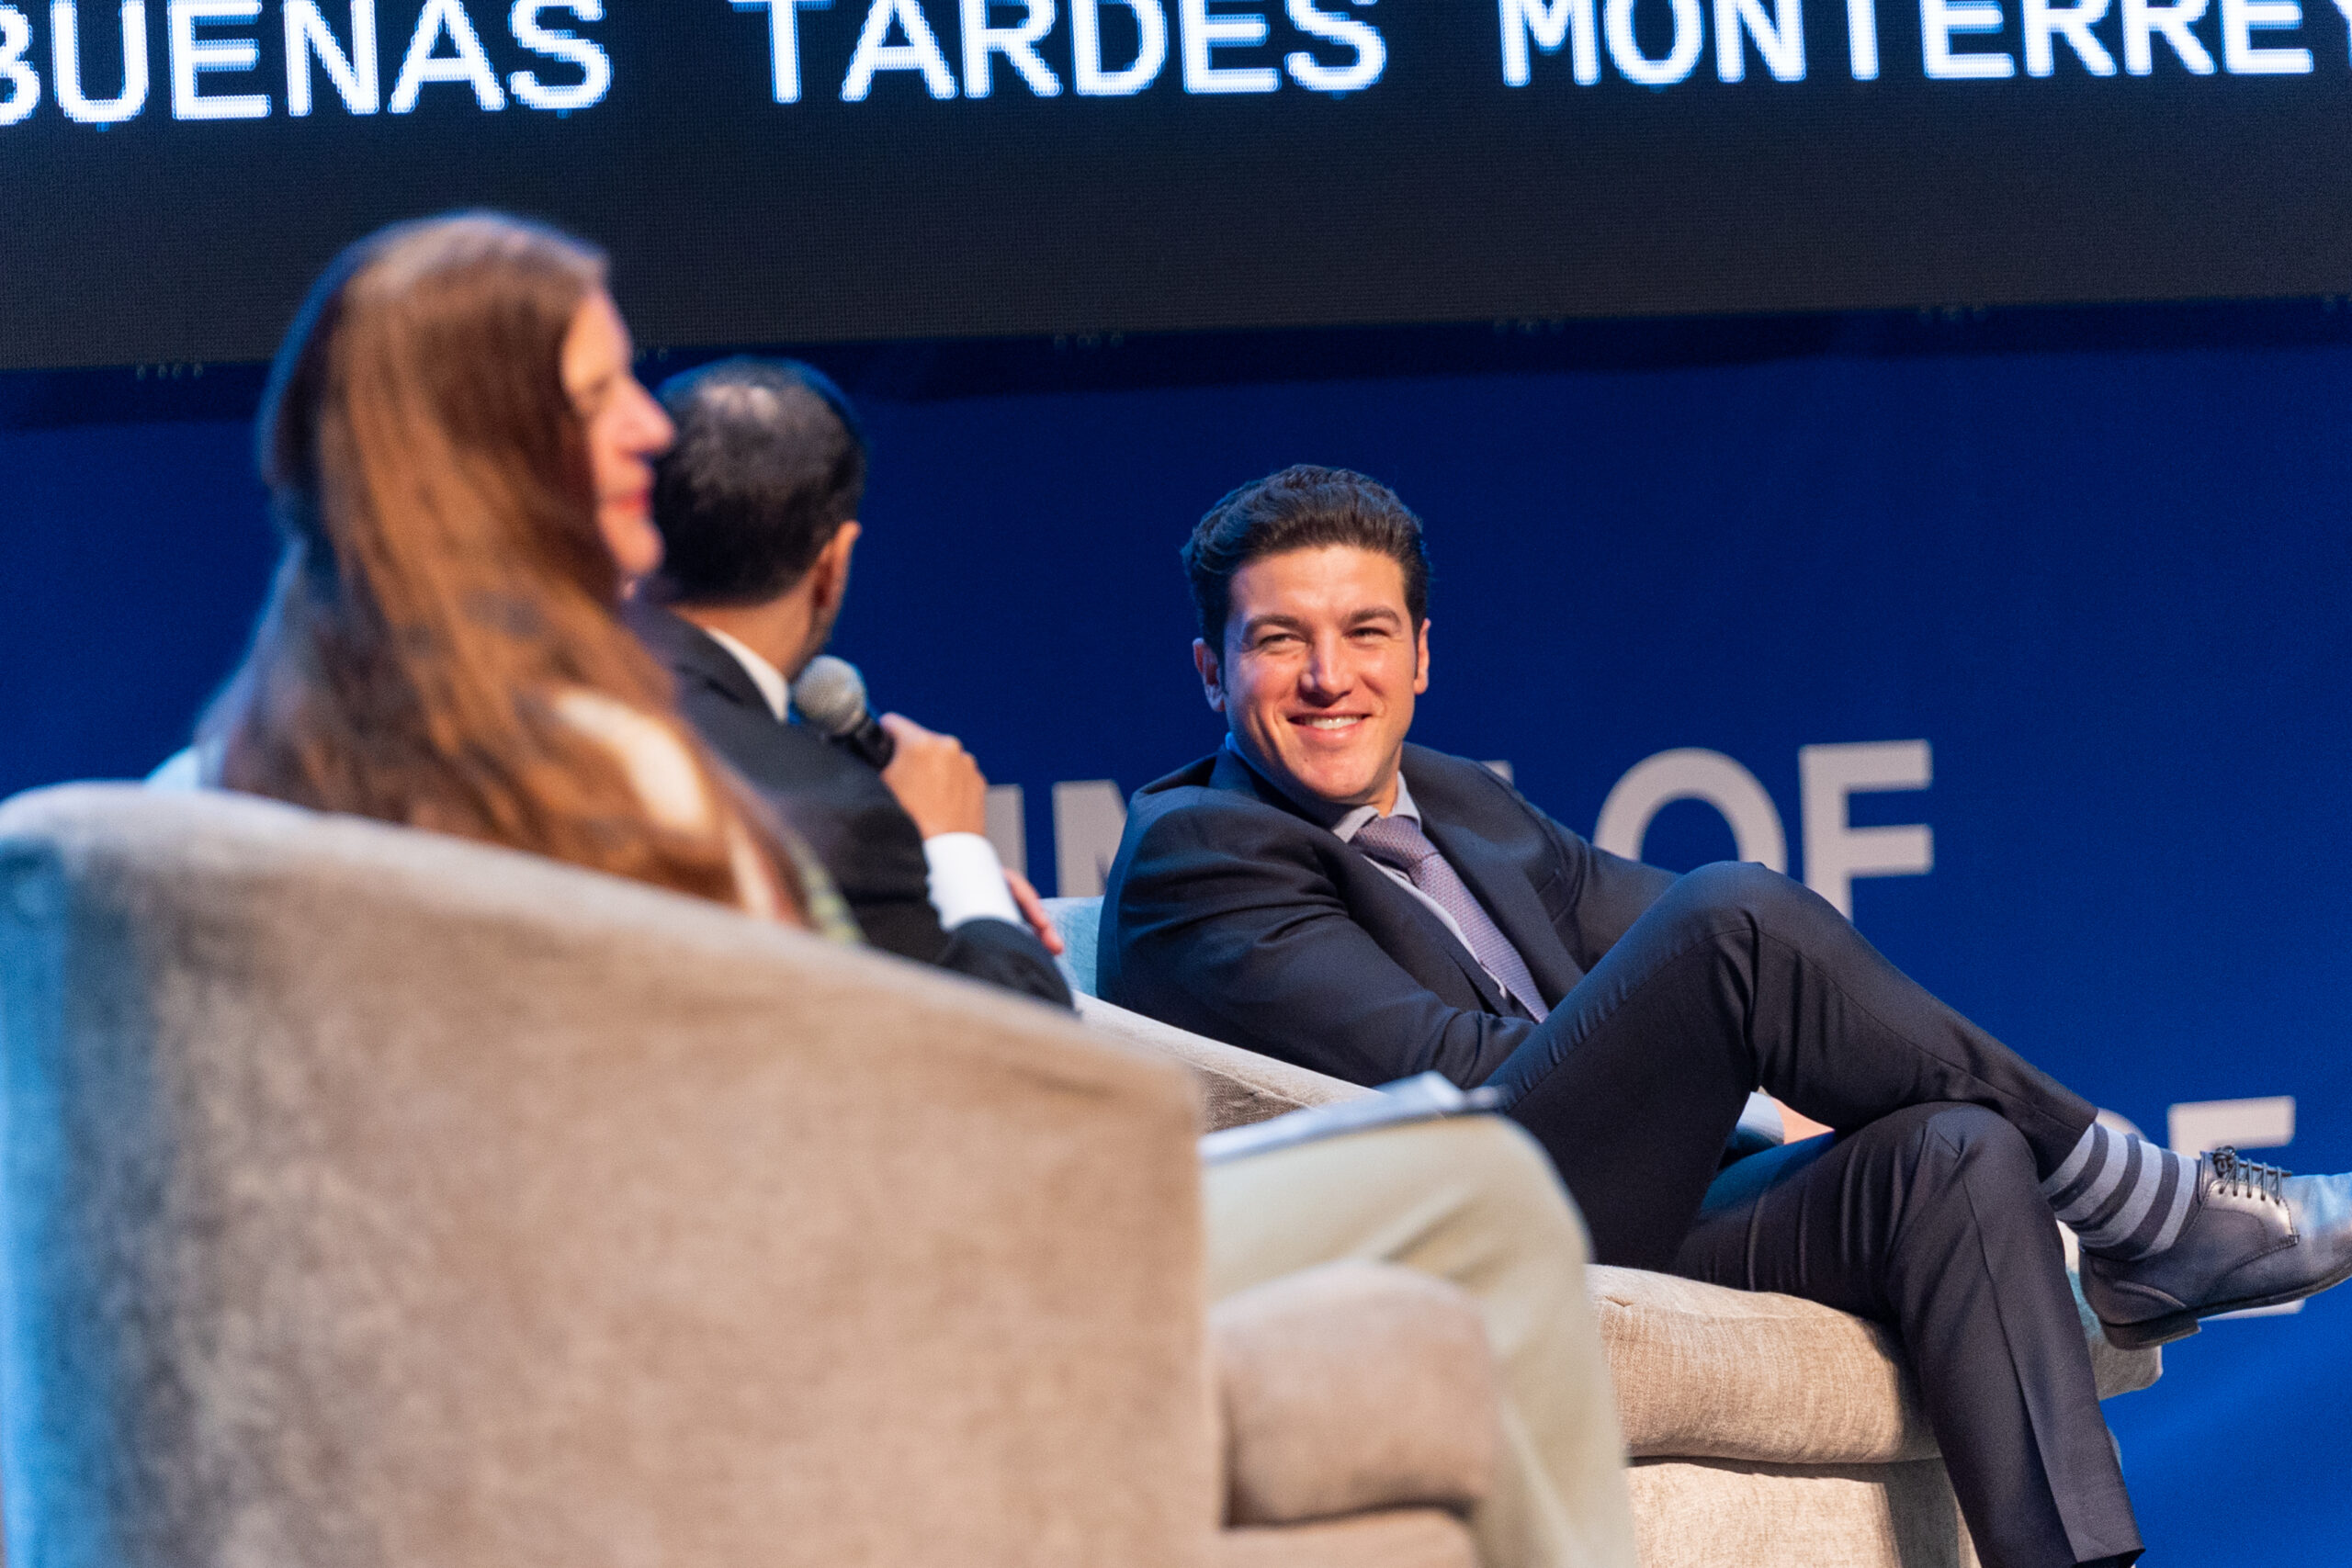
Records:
x=2099, y=562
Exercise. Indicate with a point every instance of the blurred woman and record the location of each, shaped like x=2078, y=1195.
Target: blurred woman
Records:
x=461, y=462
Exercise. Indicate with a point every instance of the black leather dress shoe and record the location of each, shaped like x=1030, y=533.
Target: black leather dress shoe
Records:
x=2256, y=1236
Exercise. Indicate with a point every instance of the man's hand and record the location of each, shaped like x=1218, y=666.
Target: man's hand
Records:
x=1033, y=910
x=935, y=779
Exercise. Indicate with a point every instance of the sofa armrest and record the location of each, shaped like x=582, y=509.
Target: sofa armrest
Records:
x=1705, y=1371
x=378, y=1198
x=1237, y=1087
x=1352, y=1387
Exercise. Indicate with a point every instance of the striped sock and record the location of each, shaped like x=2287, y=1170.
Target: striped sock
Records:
x=2125, y=1197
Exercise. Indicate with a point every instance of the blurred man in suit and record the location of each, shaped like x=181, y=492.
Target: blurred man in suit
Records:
x=1321, y=891
x=757, y=504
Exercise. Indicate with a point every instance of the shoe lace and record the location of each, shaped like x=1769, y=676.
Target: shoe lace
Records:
x=2247, y=1178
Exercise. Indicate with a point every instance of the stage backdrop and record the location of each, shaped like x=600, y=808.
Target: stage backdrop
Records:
x=2039, y=656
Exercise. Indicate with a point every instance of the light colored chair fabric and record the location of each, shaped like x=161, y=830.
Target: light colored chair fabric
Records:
x=1350, y=1387
x=1079, y=920
x=378, y=1198
x=1411, y=1537
x=1237, y=1087
x=1708, y=1514
x=1704, y=1371
x=1472, y=1201
x=381, y=1199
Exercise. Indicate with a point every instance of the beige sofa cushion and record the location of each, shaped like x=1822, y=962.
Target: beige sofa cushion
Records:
x=1079, y=920
x=1353, y=1386
x=1879, y=1516
x=1704, y=1371
x=1237, y=1087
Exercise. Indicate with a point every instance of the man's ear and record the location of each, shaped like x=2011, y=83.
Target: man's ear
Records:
x=1212, y=684
x=829, y=578
x=1422, y=661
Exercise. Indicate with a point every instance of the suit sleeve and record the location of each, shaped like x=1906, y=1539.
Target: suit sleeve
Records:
x=1005, y=954
x=1228, y=922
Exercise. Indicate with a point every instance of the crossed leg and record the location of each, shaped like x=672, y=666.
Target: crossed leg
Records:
x=1929, y=1220
x=1925, y=1212
x=1738, y=978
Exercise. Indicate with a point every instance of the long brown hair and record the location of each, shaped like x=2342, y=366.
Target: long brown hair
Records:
x=444, y=579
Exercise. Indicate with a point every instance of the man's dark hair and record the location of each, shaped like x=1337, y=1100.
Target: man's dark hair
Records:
x=769, y=463
x=1301, y=508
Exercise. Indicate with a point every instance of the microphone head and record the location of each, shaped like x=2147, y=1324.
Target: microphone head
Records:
x=831, y=696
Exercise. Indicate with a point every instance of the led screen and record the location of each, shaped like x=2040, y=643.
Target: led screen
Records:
x=173, y=171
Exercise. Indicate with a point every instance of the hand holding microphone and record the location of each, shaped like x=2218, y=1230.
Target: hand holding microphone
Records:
x=935, y=778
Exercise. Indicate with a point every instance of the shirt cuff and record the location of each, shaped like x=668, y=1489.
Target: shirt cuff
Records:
x=968, y=881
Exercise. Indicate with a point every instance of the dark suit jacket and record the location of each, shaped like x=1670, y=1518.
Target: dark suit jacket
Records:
x=1230, y=913
x=844, y=812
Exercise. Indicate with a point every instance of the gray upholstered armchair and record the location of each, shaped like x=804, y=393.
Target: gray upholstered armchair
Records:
x=377, y=1199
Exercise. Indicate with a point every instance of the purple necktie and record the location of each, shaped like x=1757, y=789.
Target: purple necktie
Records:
x=1400, y=842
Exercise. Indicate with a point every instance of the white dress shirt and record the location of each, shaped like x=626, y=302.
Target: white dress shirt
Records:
x=964, y=880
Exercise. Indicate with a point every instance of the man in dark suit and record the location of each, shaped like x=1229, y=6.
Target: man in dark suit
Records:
x=1321, y=891
x=757, y=504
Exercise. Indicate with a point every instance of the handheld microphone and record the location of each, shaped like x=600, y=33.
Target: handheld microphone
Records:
x=830, y=696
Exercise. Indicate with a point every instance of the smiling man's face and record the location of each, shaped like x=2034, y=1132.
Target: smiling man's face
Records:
x=1320, y=666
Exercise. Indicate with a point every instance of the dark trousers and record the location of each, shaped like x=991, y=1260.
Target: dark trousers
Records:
x=1922, y=1212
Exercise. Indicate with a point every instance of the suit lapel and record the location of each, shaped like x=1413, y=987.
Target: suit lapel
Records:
x=1396, y=908
x=1500, y=883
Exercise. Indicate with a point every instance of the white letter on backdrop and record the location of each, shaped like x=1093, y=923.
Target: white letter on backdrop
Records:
x=1861, y=40
x=1204, y=33
x=1549, y=24
x=1938, y=19
x=1692, y=774
x=66, y=65
x=1371, y=50
x=1017, y=44
x=192, y=56
x=1086, y=47
x=583, y=55
x=2239, y=20
x=2194, y=1126
x=1008, y=830
x=2142, y=21
x=2044, y=21
x=468, y=65
x=783, y=41
x=1690, y=38
x=1089, y=816
x=1836, y=852
x=920, y=53
x=1779, y=35
x=308, y=38
x=24, y=82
